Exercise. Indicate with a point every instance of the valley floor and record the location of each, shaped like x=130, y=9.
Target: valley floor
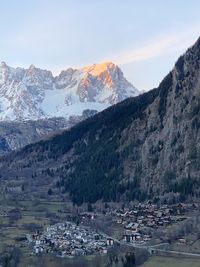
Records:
x=158, y=261
x=24, y=217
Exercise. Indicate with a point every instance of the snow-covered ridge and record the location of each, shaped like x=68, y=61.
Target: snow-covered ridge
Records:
x=33, y=93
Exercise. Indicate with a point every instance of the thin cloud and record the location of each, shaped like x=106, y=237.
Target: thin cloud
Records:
x=162, y=46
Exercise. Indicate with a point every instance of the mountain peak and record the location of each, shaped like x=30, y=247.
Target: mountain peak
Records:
x=97, y=69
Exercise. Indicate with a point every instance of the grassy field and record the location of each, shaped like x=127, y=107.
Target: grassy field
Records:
x=52, y=261
x=157, y=261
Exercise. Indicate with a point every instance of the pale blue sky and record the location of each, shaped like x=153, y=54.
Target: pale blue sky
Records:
x=143, y=37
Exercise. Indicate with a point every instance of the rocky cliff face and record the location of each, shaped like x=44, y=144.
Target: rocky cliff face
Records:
x=32, y=94
x=147, y=147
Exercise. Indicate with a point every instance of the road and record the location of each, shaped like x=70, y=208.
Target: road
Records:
x=153, y=248
x=178, y=253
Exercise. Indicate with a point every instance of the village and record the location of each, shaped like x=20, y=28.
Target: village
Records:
x=68, y=239
x=141, y=222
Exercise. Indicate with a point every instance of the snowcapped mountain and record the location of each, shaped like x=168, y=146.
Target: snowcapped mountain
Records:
x=32, y=94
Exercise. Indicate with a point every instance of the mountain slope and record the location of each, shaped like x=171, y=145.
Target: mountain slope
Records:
x=32, y=94
x=146, y=147
x=17, y=134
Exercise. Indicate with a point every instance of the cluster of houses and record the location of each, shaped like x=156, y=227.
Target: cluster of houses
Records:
x=68, y=239
x=136, y=221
